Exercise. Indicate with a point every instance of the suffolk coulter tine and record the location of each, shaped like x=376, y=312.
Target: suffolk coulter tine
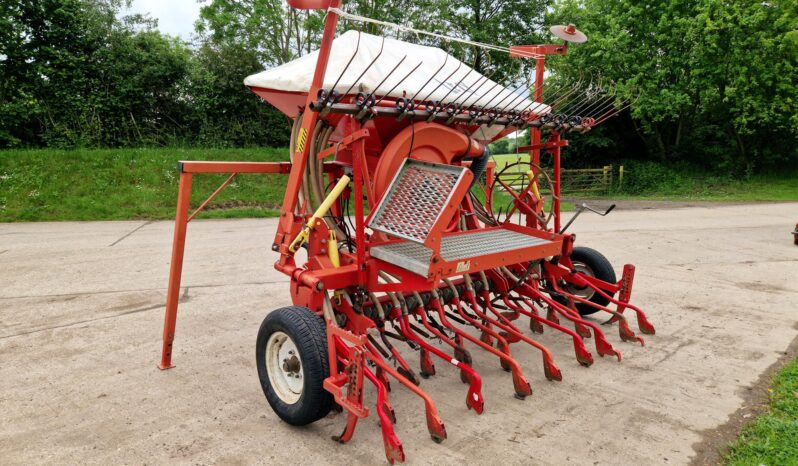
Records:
x=398, y=234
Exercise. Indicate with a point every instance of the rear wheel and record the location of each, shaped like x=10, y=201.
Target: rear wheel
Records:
x=593, y=264
x=291, y=356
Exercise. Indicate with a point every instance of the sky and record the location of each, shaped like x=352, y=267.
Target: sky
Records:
x=175, y=17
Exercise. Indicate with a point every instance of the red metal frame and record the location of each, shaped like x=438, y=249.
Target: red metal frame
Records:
x=489, y=291
x=182, y=218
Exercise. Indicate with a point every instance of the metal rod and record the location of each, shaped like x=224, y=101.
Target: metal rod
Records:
x=357, y=80
x=441, y=83
x=413, y=99
x=374, y=92
x=210, y=198
x=343, y=72
x=399, y=83
x=470, y=70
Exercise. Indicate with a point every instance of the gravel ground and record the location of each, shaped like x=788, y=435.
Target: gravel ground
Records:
x=81, y=309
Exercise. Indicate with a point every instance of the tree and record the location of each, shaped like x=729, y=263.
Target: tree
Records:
x=276, y=31
x=687, y=67
x=74, y=74
x=224, y=113
x=497, y=22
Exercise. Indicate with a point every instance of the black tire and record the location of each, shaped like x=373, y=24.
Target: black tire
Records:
x=307, y=332
x=597, y=265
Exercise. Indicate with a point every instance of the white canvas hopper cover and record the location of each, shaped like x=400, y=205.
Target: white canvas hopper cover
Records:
x=450, y=84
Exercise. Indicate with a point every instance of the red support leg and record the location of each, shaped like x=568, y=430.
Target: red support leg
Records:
x=175, y=269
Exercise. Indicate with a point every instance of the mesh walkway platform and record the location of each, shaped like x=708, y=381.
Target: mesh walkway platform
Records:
x=470, y=251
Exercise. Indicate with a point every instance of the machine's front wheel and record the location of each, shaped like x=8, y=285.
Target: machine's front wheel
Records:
x=291, y=355
x=593, y=264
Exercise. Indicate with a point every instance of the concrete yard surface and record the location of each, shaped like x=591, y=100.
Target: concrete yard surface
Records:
x=81, y=313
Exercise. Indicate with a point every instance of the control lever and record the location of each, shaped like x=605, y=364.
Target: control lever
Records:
x=583, y=208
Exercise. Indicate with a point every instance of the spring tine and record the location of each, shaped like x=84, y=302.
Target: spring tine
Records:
x=564, y=90
x=611, y=101
x=486, y=93
x=598, y=104
x=368, y=67
x=445, y=60
x=606, y=111
x=343, y=72
x=399, y=83
x=374, y=92
x=569, y=91
x=500, y=93
x=563, y=99
x=524, y=96
x=588, y=99
x=576, y=103
x=624, y=105
x=606, y=103
x=512, y=93
x=441, y=83
x=612, y=113
x=468, y=89
x=591, y=92
x=514, y=101
x=498, y=113
x=477, y=89
x=468, y=73
x=563, y=93
x=600, y=100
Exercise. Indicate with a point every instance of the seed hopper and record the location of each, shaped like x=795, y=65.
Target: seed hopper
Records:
x=400, y=235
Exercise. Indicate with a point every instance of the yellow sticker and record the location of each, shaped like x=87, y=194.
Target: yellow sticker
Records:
x=300, y=143
x=463, y=266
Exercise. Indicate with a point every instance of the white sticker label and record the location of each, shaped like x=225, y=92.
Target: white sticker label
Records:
x=454, y=361
x=463, y=266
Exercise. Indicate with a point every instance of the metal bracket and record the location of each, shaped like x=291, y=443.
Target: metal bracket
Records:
x=356, y=136
x=545, y=146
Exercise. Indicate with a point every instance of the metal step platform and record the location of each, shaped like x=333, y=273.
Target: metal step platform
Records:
x=469, y=251
x=420, y=201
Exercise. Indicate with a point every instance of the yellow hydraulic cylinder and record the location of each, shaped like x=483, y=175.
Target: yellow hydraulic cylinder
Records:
x=320, y=213
x=535, y=189
x=332, y=249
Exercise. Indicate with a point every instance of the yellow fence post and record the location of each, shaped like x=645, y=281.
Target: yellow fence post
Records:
x=609, y=185
x=620, y=177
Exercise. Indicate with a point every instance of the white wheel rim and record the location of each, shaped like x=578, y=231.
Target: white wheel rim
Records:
x=285, y=368
x=586, y=292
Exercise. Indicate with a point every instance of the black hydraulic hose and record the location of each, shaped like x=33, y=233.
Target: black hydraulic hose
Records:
x=478, y=166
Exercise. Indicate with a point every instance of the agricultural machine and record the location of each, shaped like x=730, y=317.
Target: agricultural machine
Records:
x=398, y=230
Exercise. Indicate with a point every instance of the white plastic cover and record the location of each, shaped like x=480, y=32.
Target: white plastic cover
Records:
x=455, y=82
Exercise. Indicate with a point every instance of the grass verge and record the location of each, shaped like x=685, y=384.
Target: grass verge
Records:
x=123, y=184
x=772, y=439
